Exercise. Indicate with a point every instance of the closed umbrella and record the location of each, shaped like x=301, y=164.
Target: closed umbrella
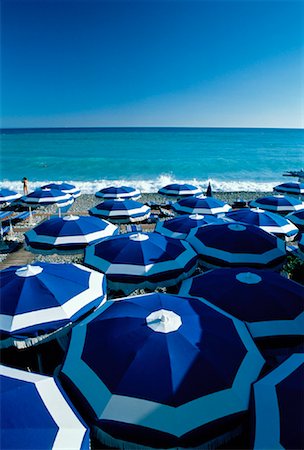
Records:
x=179, y=190
x=7, y=196
x=270, y=304
x=282, y=204
x=179, y=227
x=41, y=299
x=267, y=221
x=142, y=260
x=67, y=234
x=201, y=205
x=113, y=192
x=161, y=371
x=237, y=244
x=278, y=407
x=121, y=211
x=36, y=414
x=64, y=187
x=294, y=188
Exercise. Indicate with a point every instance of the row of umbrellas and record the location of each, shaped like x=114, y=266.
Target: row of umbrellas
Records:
x=149, y=369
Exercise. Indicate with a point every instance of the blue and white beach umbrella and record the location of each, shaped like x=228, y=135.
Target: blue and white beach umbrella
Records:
x=180, y=226
x=295, y=188
x=36, y=414
x=42, y=298
x=47, y=197
x=301, y=246
x=278, y=407
x=282, y=204
x=67, y=234
x=161, y=371
x=201, y=205
x=270, y=304
x=64, y=187
x=7, y=196
x=113, y=192
x=237, y=244
x=266, y=220
x=121, y=211
x=297, y=218
x=180, y=190
x=142, y=260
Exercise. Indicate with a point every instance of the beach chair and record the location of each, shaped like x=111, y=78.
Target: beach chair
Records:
x=5, y=214
x=131, y=228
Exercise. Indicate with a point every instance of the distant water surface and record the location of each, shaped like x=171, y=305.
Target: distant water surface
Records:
x=232, y=159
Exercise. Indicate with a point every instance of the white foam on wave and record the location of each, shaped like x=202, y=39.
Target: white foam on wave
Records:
x=153, y=185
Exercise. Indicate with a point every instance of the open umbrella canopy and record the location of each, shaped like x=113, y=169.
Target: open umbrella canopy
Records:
x=47, y=197
x=161, y=370
x=282, y=204
x=278, y=407
x=67, y=234
x=141, y=260
x=180, y=190
x=179, y=227
x=237, y=244
x=201, y=205
x=270, y=304
x=114, y=192
x=6, y=195
x=42, y=298
x=63, y=187
x=297, y=218
x=295, y=188
x=266, y=220
x=121, y=211
x=36, y=414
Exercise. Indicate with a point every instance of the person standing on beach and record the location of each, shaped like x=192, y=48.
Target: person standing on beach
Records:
x=25, y=185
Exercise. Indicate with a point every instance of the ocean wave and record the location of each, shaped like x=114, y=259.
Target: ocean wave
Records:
x=153, y=185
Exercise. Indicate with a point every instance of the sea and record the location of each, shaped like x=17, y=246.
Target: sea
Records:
x=232, y=159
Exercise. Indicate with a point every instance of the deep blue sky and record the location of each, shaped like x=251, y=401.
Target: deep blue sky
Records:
x=152, y=63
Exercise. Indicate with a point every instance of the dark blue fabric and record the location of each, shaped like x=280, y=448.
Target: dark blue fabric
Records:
x=183, y=224
x=201, y=357
x=253, y=240
x=6, y=193
x=118, y=190
x=264, y=218
x=177, y=187
x=196, y=202
x=118, y=205
x=290, y=393
x=59, y=186
x=122, y=250
x=25, y=421
x=274, y=298
x=297, y=187
x=278, y=200
x=58, y=227
x=54, y=286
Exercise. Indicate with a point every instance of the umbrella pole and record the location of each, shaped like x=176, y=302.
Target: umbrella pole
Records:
x=31, y=216
x=59, y=212
x=39, y=361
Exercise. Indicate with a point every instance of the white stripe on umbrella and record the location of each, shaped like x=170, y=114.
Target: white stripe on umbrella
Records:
x=71, y=431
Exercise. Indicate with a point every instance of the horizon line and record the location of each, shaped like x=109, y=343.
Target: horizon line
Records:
x=146, y=127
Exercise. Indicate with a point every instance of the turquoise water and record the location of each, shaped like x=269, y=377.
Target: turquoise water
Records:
x=233, y=159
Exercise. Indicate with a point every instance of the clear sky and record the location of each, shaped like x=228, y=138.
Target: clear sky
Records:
x=152, y=63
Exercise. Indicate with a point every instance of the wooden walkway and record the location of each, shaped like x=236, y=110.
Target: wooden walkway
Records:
x=19, y=257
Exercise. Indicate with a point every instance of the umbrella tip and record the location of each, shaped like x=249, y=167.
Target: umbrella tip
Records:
x=28, y=271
